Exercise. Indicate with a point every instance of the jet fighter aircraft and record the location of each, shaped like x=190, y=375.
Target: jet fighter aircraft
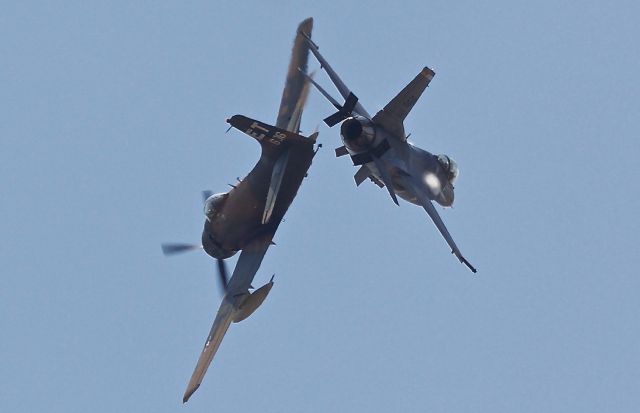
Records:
x=379, y=146
x=247, y=217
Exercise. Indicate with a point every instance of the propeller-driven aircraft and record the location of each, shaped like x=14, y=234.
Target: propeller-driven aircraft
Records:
x=246, y=218
x=379, y=146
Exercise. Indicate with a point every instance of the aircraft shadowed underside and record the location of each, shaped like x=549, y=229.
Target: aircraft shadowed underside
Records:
x=246, y=218
x=379, y=147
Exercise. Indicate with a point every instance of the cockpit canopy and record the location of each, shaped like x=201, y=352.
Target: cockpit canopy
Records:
x=213, y=204
x=450, y=166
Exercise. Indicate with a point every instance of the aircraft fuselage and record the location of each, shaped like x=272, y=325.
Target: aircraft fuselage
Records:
x=236, y=217
x=398, y=157
x=425, y=166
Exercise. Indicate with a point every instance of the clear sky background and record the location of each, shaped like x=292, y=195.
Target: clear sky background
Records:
x=112, y=122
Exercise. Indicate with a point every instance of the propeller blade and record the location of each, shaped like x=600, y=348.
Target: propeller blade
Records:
x=222, y=273
x=206, y=195
x=172, y=249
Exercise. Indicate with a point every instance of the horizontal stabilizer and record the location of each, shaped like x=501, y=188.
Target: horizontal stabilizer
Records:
x=341, y=151
x=266, y=134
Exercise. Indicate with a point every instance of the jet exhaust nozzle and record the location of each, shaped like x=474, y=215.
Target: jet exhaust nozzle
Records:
x=358, y=134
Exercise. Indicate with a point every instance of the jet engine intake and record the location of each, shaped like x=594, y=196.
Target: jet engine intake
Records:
x=358, y=134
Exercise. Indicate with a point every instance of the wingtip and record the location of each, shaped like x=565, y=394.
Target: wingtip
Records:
x=464, y=261
x=189, y=393
x=468, y=264
x=308, y=20
x=428, y=72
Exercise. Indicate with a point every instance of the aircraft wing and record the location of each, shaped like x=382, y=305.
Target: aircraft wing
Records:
x=218, y=330
x=342, y=88
x=435, y=217
x=246, y=268
x=392, y=116
x=295, y=89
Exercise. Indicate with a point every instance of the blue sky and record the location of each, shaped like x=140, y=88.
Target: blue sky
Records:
x=112, y=122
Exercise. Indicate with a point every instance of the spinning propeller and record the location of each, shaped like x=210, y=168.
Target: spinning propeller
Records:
x=170, y=249
x=173, y=249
